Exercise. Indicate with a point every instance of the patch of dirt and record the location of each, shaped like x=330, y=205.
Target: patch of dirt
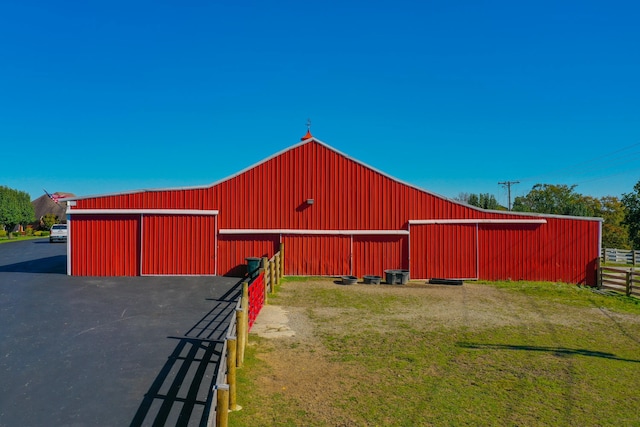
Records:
x=300, y=368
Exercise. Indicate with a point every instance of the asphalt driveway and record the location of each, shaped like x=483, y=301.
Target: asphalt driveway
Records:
x=77, y=351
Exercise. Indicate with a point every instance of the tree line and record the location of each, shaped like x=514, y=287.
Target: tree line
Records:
x=15, y=209
x=621, y=226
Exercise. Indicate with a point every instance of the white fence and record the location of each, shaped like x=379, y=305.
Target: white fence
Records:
x=620, y=256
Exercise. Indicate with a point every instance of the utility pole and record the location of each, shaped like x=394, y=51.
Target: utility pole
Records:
x=508, y=185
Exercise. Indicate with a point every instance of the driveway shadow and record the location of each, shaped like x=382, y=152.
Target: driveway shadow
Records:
x=181, y=393
x=56, y=264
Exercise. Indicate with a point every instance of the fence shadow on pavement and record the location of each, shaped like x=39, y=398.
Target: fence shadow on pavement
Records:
x=181, y=393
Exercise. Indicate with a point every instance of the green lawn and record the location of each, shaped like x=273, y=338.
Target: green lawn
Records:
x=20, y=238
x=512, y=354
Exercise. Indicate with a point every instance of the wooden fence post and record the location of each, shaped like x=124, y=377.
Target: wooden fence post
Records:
x=629, y=277
x=232, y=357
x=264, y=285
x=240, y=334
x=281, y=259
x=265, y=269
x=599, y=273
x=222, y=407
x=272, y=276
x=277, y=261
x=245, y=300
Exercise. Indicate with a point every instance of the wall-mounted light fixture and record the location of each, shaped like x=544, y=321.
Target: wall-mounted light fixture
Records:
x=309, y=201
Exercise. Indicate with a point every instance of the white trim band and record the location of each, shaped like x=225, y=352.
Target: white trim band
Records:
x=314, y=232
x=476, y=221
x=140, y=211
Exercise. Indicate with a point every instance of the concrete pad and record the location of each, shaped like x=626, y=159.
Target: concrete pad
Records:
x=272, y=322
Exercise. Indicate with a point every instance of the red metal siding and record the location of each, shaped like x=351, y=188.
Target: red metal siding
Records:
x=512, y=252
x=444, y=251
x=374, y=254
x=178, y=245
x=105, y=246
x=317, y=255
x=346, y=195
x=234, y=248
x=350, y=196
x=558, y=251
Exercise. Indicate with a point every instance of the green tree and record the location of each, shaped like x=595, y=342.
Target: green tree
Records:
x=631, y=201
x=484, y=201
x=563, y=200
x=615, y=233
x=49, y=219
x=15, y=208
x=481, y=200
x=554, y=199
x=462, y=197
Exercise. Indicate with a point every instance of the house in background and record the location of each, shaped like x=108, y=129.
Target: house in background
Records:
x=51, y=204
x=335, y=216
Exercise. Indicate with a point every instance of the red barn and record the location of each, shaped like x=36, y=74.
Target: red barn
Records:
x=335, y=216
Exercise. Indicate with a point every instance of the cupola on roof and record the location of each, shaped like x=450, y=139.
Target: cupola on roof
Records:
x=308, y=134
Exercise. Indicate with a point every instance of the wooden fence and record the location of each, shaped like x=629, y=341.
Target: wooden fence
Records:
x=224, y=391
x=273, y=270
x=619, y=279
x=620, y=256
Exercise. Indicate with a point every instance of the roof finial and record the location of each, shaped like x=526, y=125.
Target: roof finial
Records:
x=308, y=135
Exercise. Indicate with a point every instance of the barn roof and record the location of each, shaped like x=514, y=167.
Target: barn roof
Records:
x=309, y=139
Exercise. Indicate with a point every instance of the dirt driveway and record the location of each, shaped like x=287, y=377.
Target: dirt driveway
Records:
x=81, y=351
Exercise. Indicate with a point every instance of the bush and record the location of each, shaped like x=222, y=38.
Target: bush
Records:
x=46, y=233
x=37, y=233
x=29, y=231
x=48, y=220
x=3, y=233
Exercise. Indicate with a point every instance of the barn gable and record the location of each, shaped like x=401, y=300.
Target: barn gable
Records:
x=337, y=216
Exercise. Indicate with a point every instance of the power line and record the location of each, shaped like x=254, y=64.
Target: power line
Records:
x=508, y=184
x=602, y=160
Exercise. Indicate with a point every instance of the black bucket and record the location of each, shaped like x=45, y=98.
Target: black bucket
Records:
x=349, y=280
x=391, y=276
x=253, y=265
x=372, y=280
x=404, y=276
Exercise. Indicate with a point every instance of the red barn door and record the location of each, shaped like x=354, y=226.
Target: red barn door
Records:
x=374, y=254
x=448, y=251
x=105, y=245
x=317, y=255
x=233, y=249
x=178, y=244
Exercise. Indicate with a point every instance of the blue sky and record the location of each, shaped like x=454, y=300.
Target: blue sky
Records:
x=101, y=97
